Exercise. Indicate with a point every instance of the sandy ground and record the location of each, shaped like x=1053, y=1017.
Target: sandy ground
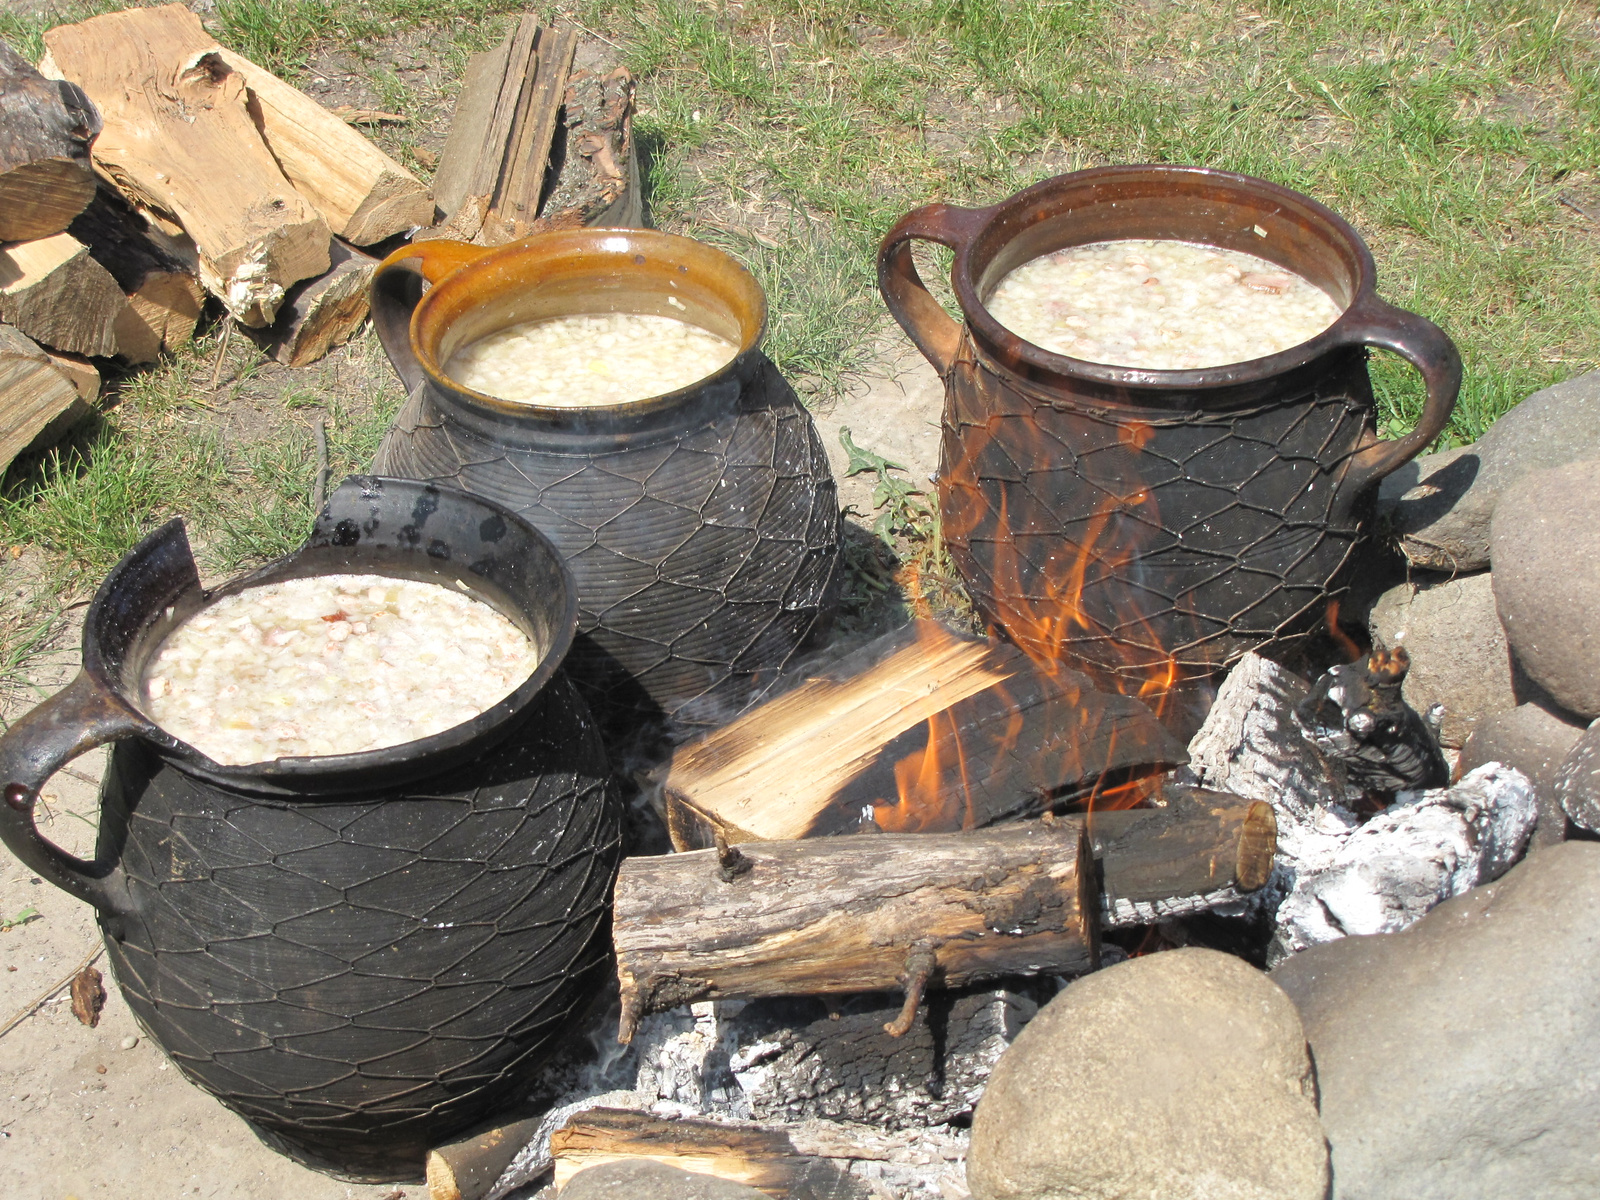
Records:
x=100, y=1112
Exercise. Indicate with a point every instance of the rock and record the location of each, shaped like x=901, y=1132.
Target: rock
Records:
x=646, y=1179
x=1423, y=849
x=1441, y=504
x=1577, y=784
x=1457, y=1060
x=1182, y=1075
x=1546, y=543
x=1533, y=740
x=1459, y=652
x=1441, y=520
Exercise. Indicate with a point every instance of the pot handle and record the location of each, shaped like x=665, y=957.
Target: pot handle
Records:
x=1429, y=349
x=920, y=315
x=397, y=286
x=81, y=716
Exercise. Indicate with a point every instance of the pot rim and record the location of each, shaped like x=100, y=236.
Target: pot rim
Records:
x=627, y=245
x=330, y=772
x=1349, y=328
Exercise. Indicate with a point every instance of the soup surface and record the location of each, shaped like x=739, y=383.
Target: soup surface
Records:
x=333, y=664
x=1161, y=305
x=579, y=361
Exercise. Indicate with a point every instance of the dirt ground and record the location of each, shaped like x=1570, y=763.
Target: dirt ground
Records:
x=100, y=1112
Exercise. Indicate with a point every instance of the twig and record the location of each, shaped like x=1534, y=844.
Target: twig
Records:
x=32, y=1006
x=920, y=966
x=319, y=492
x=222, y=351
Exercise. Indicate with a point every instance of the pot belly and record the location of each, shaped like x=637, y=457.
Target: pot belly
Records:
x=361, y=977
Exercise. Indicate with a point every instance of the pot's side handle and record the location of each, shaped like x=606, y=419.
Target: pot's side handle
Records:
x=75, y=720
x=1428, y=348
x=920, y=315
x=397, y=287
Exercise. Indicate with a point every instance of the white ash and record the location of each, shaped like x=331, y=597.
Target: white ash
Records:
x=586, y=360
x=332, y=664
x=1161, y=305
x=1335, y=876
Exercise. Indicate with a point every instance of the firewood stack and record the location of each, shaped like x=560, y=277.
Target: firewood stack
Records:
x=143, y=167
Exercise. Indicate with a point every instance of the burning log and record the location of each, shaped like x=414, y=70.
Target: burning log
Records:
x=179, y=141
x=45, y=130
x=857, y=914
x=1355, y=714
x=765, y=1159
x=919, y=731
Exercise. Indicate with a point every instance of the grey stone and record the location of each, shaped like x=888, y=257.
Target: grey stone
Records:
x=1441, y=504
x=1535, y=741
x=1440, y=518
x=1457, y=1060
x=1459, y=653
x=1546, y=543
x=1577, y=784
x=1181, y=1075
x=646, y=1179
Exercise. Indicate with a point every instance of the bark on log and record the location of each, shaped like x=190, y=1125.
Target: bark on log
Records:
x=854, y=914
x=597, y=180
x=33, y=396
x=362, y=193
x=45, y=130
x=179, y=140
x=160, y=284
x=764, y=1159
x=56, y=293
x=971, y=729
x=320, y=313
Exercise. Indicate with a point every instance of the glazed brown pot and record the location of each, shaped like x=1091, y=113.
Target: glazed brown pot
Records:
x=1146, y=522
x=701, y=525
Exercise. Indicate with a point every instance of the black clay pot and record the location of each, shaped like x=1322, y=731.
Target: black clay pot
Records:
x=702, y=526
x=361, y=954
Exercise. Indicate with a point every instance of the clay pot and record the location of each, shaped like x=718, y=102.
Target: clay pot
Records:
x=361, y=954
x=1148, y=523
x=701, y=526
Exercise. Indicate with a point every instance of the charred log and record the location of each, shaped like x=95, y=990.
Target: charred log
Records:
x=1355, y=714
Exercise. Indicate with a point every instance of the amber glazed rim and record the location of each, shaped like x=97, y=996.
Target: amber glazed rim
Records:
x=1153, y=184
x=613, y=251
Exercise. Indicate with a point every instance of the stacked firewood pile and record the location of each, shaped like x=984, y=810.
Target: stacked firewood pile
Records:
x=146, y=172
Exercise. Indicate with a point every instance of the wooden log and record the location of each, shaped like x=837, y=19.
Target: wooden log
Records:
x=854, y=914
x=160, y=282
x=513, y=212
x=34, y=396
x=1199, y=848
x=54, y=291
x=919, y=731
x=757, y=1157
x=362, y=193
x=45, y=130
x=80, y=372
x=320, y=313
x=179, y=140
x=468, y=1167
x=597, y=181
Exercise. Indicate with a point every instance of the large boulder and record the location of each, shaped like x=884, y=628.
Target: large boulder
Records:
x=1459, y=653
x=1546, y=539
x=1457, y=1060
x=1535, y=741
x=1440, y=505
x=1181, y=1075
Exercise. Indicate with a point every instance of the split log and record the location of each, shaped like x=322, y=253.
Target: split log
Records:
x=34, y=397
x=80, y=372
x=46, y=127
x=362, y=193
x=179, y=140
x=469, y=1167
x=919, y=731
x=56, y=293
x=855, y=914
x=764, y=1159
x=160, y=282
x=320, y=313
x=497, y=155
x=597, y=163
